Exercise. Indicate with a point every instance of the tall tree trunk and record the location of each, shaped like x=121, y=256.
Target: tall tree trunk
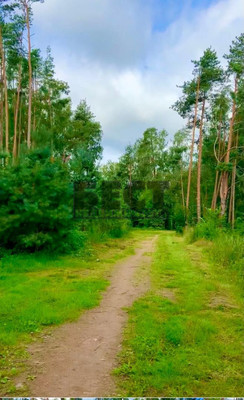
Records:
x=20, y=125
x=5, y=92
x=182, y=187
x=216, y=184
x=1, y=105
x=34, y=103
x=130, y=184
x=192, y=147
x=231, y=217
x=199, y=164
x=225, y=174
x=27, y=11
x=50, y=118
x=16, y=113
x=215, y=192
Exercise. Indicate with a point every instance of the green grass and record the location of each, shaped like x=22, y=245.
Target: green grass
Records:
x=42, y=290
x=184, y=337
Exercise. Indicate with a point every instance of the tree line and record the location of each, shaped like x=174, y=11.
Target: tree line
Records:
x=46, y=146
x=205, y=162
x=218, y=94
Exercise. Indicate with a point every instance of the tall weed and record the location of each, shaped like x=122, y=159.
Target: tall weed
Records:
x=100, y=230
x=228, y=249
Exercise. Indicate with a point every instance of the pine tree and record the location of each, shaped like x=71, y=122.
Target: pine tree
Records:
x=26, y=4
x=210, y=73
x=219, y=124
x=235, y=60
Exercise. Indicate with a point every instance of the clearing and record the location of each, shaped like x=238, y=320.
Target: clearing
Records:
x=184, y=335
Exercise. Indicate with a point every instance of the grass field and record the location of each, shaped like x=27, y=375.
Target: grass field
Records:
x=40, y=290
x=185, y=337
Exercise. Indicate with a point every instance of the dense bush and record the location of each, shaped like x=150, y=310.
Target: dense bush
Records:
x=209, y=228
x=178, y=218
x=35, y=203
x=75, y=242
x=148, y=219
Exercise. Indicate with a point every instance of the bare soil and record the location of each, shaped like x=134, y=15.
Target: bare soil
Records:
x=77, y=359
x=221, y=301
x=168, y=294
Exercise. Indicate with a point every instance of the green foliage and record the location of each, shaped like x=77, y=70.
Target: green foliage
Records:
x=235, y=56
x=178, y=218
x=184, y=106
x=75, y=138
x=75, y=243
x=150, y=153
x=209, y=70
x=35, y=198
x=84, y=134
x=223, y=166
x=142, y=164
x=110, y=171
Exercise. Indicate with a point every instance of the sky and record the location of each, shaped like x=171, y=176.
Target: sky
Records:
x=126, y=57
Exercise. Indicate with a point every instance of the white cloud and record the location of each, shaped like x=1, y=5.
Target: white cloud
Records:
x=115, y=32
x=110, y=55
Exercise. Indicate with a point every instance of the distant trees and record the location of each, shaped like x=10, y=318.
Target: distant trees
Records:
x=45, y=146
x=149, y=160
x=205, y=170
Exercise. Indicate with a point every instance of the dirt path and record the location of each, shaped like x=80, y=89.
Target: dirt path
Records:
x=77, y=359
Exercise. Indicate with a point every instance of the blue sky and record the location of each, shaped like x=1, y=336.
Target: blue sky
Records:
x=125, y=57
x=165, y=12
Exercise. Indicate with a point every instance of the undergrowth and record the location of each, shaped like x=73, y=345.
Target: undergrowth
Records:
x=227, y=245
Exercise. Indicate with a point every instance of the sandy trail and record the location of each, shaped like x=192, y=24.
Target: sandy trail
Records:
x=77, y=359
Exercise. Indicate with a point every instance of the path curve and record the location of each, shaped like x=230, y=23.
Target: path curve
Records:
x=77, y=360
